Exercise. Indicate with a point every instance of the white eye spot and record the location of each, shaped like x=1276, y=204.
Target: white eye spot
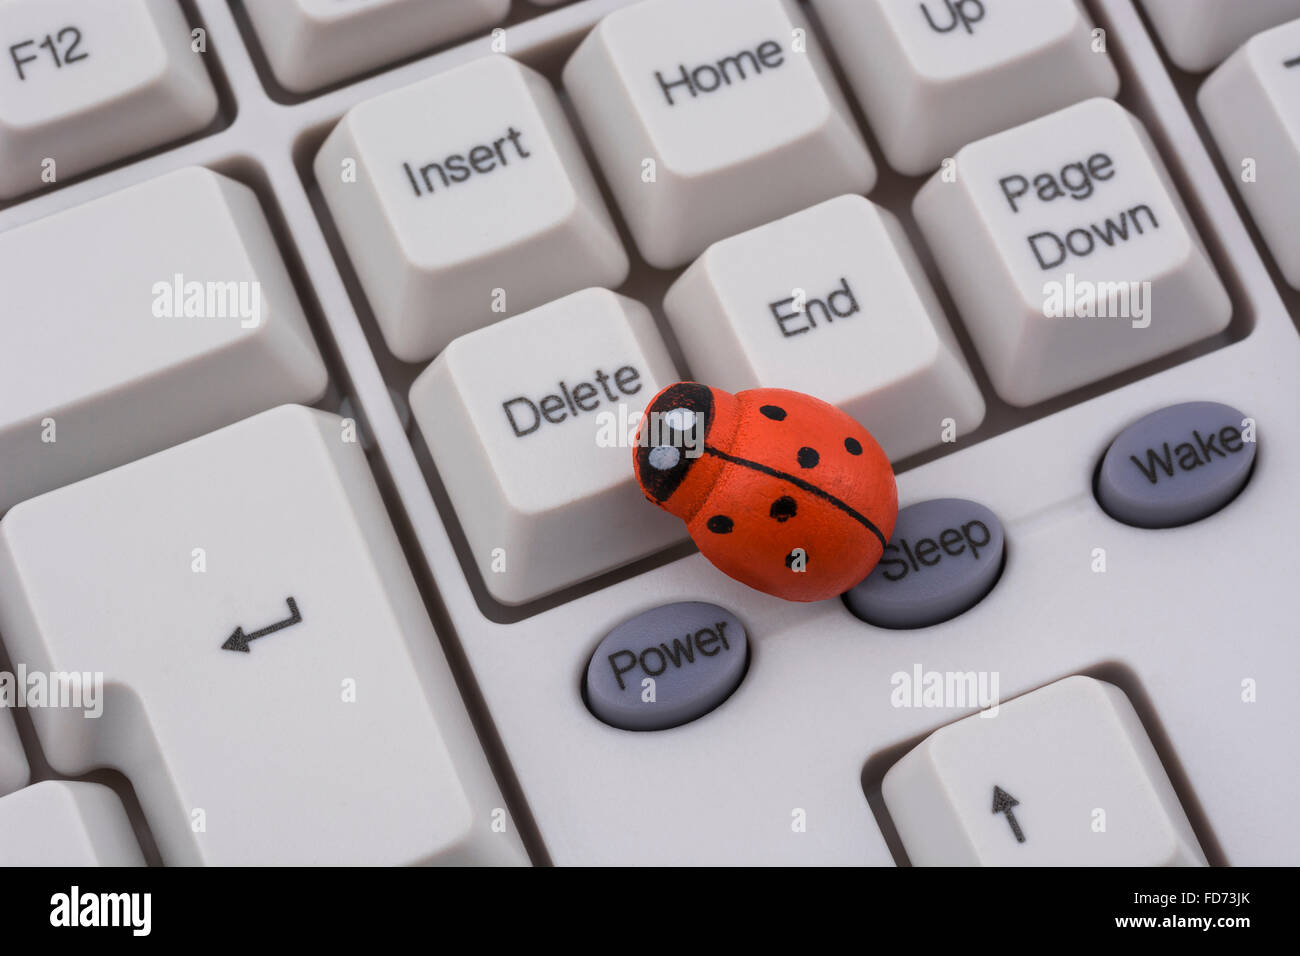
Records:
x=664, y=457
x=679, y=419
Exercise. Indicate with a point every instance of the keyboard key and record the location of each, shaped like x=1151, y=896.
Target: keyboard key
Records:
x=1068, y=252
x=530, y=422
x=944, y=556
x=1063, y=776
x=89, y=83
x=330, y=731
x=933, y=76
x=181, y=319
x=831, y=301
x=66, y=823
x=1177, y=465
x=1198, y=34
x=1252, y=107
x=310, y=43
x=471, y=200
x=710, y=117
x=14, y=770
x=667, y=666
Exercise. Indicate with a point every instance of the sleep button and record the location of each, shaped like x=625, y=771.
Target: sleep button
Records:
x=943, y=557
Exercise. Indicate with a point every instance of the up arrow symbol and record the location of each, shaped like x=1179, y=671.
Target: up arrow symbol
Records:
x=1003, y=802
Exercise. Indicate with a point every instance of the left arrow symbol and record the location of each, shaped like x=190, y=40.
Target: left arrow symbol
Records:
x=239, y=641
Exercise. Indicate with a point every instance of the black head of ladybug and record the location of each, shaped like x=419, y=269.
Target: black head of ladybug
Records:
x=671, y=437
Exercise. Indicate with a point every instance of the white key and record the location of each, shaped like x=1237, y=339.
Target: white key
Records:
x=1252, y=107
x=83, y=84
x=469, y=200
x=271, y=672
x=528, y=422
x=103, y=358
x=1069, y=253
x=932, y=76
x=14, y=770
x=1063, y=776
x=710, y=117
x=310, y=43
x=1198, y=34
x=66, y=823
x=831, y=301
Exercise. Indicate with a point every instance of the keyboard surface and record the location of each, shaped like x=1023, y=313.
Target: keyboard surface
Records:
x=329, y=470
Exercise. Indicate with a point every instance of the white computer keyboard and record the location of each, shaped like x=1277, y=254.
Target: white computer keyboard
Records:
x=323, y=328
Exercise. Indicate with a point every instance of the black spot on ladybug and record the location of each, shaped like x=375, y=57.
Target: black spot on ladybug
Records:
x=784, y=508
x=795, y=555
x=721, y=524
x=774, y=412
x=808, y=457
x=853, y=445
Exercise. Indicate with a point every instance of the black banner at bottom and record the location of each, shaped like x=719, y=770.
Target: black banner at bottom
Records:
x=331, y=906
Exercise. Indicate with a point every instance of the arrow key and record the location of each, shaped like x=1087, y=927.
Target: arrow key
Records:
x=1068, y=773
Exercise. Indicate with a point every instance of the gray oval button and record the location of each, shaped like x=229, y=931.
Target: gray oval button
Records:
x=667, y=666
x=1176, y=465
x=943, y=557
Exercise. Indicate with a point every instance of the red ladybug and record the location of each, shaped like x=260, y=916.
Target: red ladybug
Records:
x=778, y=489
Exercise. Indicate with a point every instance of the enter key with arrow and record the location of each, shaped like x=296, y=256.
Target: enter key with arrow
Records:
x=239, y=640
x=1004, y=802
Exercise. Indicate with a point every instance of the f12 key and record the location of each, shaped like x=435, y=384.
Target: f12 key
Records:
x=84, y=84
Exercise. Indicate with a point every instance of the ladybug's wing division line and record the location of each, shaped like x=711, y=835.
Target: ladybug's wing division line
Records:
x=800, y=483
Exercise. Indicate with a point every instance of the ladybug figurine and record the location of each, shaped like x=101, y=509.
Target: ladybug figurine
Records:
x=780, y=490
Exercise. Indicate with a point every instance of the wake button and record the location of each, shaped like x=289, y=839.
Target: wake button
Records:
x=1177, y=465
